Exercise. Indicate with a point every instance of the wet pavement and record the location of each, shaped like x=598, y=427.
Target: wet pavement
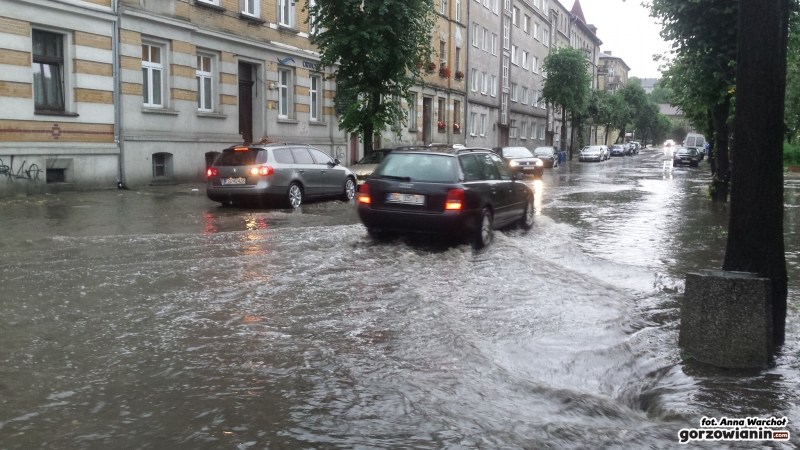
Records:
x=156, y=319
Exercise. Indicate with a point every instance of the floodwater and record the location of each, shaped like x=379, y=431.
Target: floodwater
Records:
x=156, y=319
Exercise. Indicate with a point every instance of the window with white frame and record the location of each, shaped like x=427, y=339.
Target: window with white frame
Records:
x=541, y=132
x=485, y=43
x=536, y=31
x=412, y=111
x=314, y=93
x=458, y=10
x=504, y=109
x=484, y=83
x=523, y=128
x=515, y=17
x=152, y=75
x=524, y=99
x=546, y=6
x=483, y=124
x=514, y=55
x=505, y=71
x=485, y=3
x=48, y=71
x=546, y=38
x=525, y=60
x=251, y=7
x=535, y=64
x=312, y=19
x=475, y=30
x=506, y=33
x=205, y=83
x=534, y=128
x=472, y=124
x=542, y=104
x=286, y=13
x=494, y=85
x=210, y=2
x=526, y=24
x=285, y=87
x=443, y=6
x=535, y=98
x=512, y=132
x=494, y=44
x=508, y=5
x=513, y=92
x=474, y=80
x=496, y=6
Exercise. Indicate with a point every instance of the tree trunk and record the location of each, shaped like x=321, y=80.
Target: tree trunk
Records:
x=621, y=137
x=571, y=135
x=720, y=180
x=607, y=126
x=369, y=128
x=755, y=230
x=711, y=143
x=564, y=129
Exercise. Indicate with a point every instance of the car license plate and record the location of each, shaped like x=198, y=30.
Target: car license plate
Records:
x=410, y=199
x=238, y=180
x=528, y=168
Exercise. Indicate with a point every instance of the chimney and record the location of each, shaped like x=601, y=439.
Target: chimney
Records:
x=607, y=52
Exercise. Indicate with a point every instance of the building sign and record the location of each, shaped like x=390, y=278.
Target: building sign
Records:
x=310, y=65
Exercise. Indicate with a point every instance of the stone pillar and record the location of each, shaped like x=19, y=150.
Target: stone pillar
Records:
x=726, y=319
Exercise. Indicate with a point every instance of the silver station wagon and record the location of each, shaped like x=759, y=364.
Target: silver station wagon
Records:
x=287, y=173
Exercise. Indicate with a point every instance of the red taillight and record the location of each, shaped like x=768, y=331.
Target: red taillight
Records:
x=455, y=200
x=363, y=194
x=263, y=170
x=212, y=172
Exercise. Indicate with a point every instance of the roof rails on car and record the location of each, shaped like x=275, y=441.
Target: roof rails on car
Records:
x=471, y=149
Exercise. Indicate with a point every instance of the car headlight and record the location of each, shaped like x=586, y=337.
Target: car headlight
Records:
x=513, y=163
x=539, y=163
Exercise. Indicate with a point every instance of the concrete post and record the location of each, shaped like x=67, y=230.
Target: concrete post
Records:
x=726, y=319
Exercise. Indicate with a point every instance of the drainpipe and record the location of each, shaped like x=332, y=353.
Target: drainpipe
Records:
x=467, y=129
x=117, y=85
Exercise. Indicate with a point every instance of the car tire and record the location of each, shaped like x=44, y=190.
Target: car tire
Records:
x=526, y=221
x=485, y=231
x=376, y=234
x=349, y=189
x=294, y=195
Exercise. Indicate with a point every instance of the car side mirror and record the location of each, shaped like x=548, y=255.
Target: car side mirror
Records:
x=520, y=176
x=336, y=162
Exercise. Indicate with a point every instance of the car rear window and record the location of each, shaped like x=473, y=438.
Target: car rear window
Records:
x=684, y=151
x=250, y=157
x=418, y=167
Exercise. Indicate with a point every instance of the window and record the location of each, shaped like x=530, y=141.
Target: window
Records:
x=441, y=113
x=534, y=127
x=547, y=38
x=456, y=112
x=524, y=100
x=458, y=59
x=320, y=157
x=205, y=97
x=212, y=2
x=513, y=92
x=525, y=60
x=504, y=109
x=48, y=71
x=515, y=17
x=535, y=64
x=542, y=104
x=496, y=6
x=485, y=3
x=458, y=10
x=512, y=132
x=286, y=13
x=162, y=164
x=523, y=128
x=494, y=85
x=536, y=30
x=506, y=33
x=472, y=124
x=483, y=124
x=485, y=43
x=152, y=70
x=475, y=30
x=316, y=84
x=443, y=9
x=484, y=83
x=443, y=51
x=251, y=7
x=312, y=18
x=412, y=112
x=514, y=55
x=541, y=132
x=505, y=71
x=474, y=80
x=472, y=170
x=285, y=93
x=508, y=5
x=526, y=24
x=494, y=44
x=546, y=6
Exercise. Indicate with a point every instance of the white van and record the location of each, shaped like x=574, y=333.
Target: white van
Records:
x=694, y=140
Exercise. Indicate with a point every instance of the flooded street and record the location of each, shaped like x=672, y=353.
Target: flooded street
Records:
x=156, y=319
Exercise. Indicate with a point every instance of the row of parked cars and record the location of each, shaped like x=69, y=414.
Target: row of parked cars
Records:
x=441, y=188
x=603, y=153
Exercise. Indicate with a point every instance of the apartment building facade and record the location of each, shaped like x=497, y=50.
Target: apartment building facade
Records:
x=57, y=124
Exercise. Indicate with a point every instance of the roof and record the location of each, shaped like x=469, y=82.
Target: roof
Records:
x=617, y=58
x=578, y=11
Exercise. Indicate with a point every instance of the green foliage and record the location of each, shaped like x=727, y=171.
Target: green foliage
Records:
x=792, y=111
x=791, y=154
x=678, y=133
x=377, y=48
x=660, y=94
x=567, y=82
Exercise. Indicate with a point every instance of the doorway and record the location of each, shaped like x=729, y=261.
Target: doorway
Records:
x=504, y=136
x=427, y=110
x=246, y=102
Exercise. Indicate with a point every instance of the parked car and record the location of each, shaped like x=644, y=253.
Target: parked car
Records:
x=685, y=155
x=617, y=150
x=282, y=172
x=521, y=160
x=548, y=155
x=593, y=153
x=700, y=151
x=366, y=165
x=466, y=192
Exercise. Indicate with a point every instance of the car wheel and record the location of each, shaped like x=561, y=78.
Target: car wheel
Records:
x=376, y=234
x=294, y=196
x=526, y=221
x=349, y=190
x=485, y=232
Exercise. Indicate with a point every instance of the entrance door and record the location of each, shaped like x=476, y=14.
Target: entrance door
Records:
x=246, y=102
x=503, y=136
x=427, y=109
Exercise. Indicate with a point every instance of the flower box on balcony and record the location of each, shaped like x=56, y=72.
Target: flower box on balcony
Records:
x=444, y=72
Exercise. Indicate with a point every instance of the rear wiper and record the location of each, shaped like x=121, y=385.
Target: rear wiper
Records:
x=392, y=177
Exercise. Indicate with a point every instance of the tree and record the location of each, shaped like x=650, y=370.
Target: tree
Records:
x=660, y=94
x=792, y=114
x=755, y=229
x=567, y=85
x=376, y=48
x=634, y=96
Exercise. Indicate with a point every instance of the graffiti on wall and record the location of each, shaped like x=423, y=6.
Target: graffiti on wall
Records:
x=25, y=171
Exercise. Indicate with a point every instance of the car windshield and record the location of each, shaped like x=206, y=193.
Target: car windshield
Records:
x=591, y=149
x=517, y=152
x=373, y=158
x=617, y=146
x=543, y=151
x=419, y=167
x=232, y=157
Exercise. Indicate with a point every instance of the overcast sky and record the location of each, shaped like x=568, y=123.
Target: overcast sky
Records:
x=628, y=31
